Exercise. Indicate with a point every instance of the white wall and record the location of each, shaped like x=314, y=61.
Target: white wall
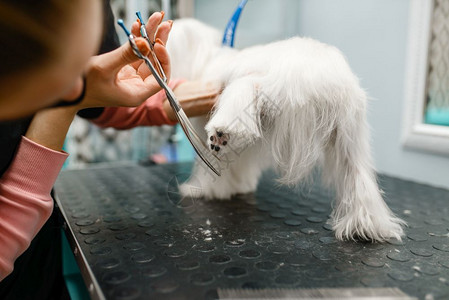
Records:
x=373, y=36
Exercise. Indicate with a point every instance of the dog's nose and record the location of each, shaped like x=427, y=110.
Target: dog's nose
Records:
x=217, y=148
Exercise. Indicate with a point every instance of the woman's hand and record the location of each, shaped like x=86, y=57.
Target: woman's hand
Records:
x=117, y=78
x=196, y=98
x=120, y=78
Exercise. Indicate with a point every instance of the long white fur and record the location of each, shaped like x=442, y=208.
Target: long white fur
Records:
x=292, y=105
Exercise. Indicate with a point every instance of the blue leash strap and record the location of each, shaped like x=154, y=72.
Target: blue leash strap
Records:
x=228, y=38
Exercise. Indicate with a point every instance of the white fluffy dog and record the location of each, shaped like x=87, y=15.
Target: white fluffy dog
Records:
x=292, y=105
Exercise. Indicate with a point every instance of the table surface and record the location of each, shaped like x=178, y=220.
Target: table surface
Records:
x=134, y=237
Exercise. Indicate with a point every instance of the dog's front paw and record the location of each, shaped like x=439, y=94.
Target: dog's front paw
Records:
x=218, y=141
x=223, y=141
x=191, y=190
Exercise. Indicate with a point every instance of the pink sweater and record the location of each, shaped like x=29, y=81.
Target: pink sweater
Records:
x=25, y=201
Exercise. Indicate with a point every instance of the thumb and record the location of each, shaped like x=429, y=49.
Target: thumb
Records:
x=115, y=60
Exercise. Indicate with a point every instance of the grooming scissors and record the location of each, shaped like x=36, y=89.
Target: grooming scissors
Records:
x=144, y=34
x=197, y=143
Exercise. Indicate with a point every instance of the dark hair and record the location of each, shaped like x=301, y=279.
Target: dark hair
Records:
x=29, y=32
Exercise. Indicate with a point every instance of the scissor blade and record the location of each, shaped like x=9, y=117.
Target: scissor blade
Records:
x=196, y=142
x=198, y=145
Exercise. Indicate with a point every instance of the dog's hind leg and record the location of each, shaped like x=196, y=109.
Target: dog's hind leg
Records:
x=360, y=211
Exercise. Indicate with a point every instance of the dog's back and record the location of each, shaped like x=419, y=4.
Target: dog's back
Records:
x=191, y=45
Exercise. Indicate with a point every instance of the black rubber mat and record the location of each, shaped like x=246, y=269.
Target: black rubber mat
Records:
x=142, y=241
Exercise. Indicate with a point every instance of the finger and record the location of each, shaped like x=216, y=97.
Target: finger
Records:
x=163, y=57
x=143, y=46
x=152, y=24
x=110, y=63
x=164, y=30
x=135, y=28
x=161, y=35
x=143, y=71
x=151, y=27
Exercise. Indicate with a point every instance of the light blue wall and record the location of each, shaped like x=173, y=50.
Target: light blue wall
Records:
x=373, y=36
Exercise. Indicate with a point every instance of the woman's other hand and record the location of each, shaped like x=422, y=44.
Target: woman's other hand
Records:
x=196, y=98
x=120, y=78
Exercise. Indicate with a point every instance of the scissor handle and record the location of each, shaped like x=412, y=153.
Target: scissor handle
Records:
x=122, y=24
x=144, y=34
x=140, y=17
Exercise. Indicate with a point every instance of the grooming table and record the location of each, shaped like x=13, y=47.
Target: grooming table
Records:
x=134, y=237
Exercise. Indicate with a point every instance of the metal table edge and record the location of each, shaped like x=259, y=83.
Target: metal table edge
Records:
x=91, y=282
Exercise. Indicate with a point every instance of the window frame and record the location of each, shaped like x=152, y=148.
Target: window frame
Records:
x=418, y=135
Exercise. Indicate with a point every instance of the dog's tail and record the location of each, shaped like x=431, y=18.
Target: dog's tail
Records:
x=360, y=210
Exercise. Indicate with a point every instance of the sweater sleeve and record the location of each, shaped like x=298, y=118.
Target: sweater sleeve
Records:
x=149, y=113
x=25, y=201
